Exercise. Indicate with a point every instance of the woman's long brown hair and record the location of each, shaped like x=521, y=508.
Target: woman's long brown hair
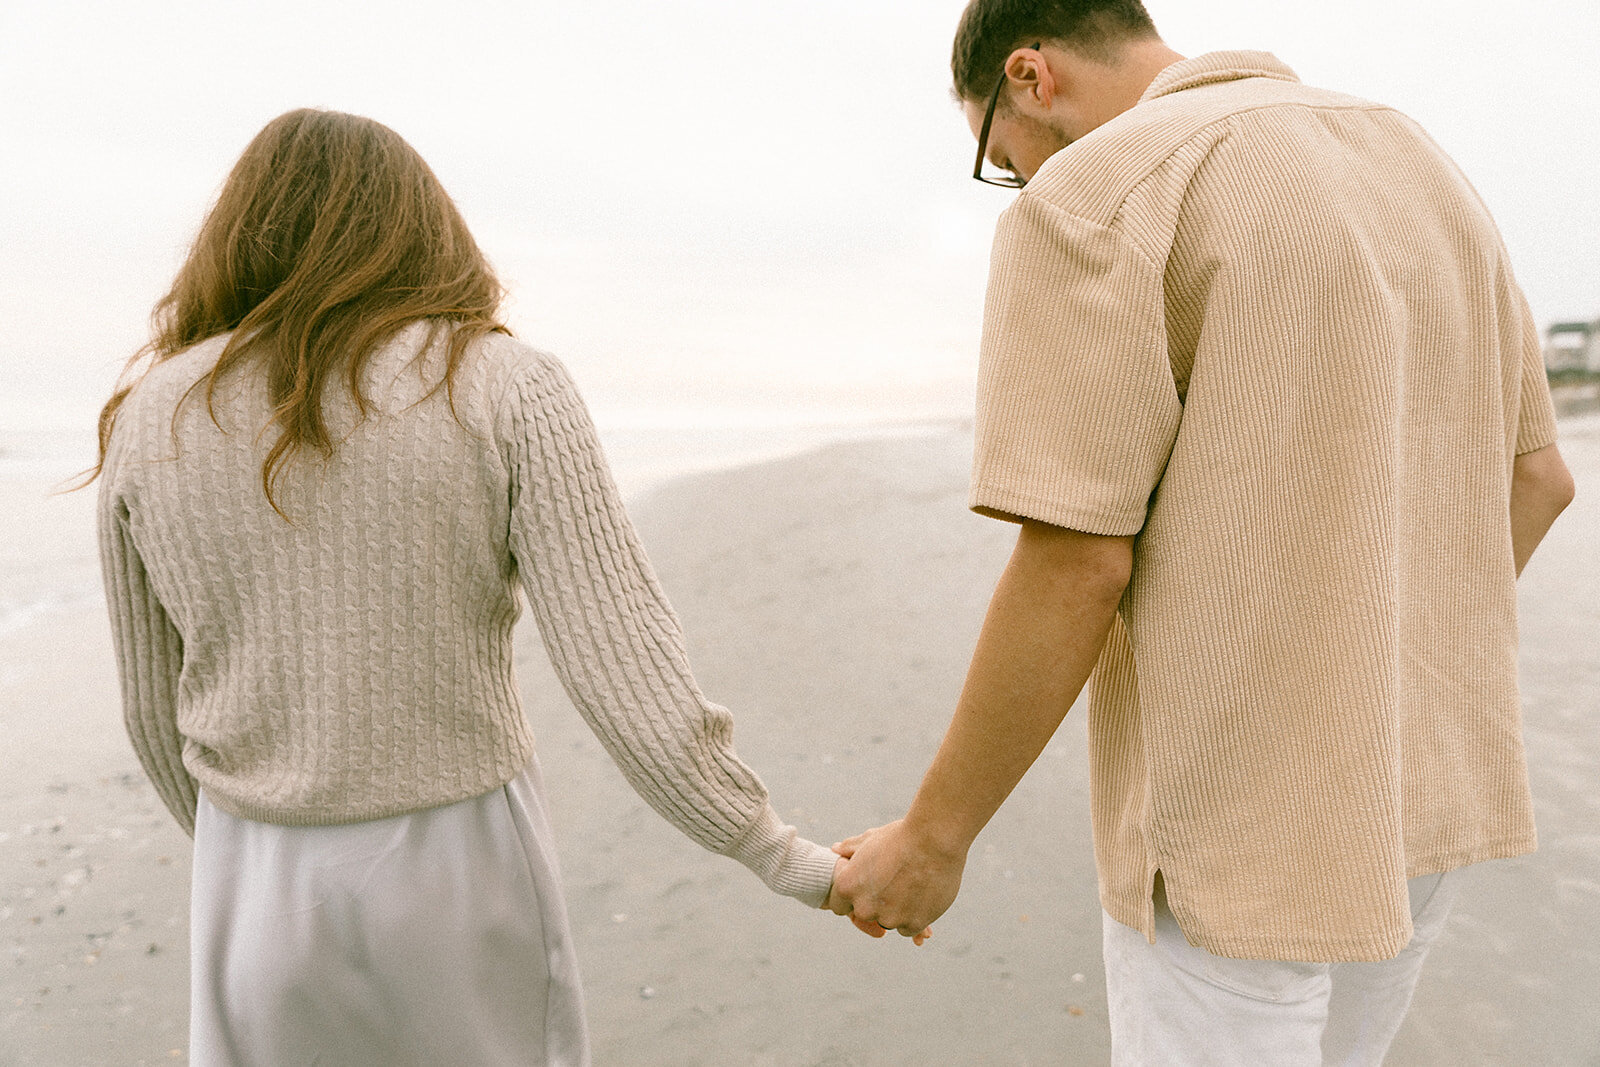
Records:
x=330, y=234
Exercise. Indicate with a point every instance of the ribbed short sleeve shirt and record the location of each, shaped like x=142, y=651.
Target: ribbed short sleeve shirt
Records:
x=1273, y=331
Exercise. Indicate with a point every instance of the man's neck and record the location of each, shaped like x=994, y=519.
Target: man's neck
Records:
x=1123, y=83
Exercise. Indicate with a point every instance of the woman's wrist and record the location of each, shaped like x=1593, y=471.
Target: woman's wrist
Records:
x=786, y=863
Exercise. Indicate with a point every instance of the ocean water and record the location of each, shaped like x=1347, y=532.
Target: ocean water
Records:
x=47, y=545
x=48, y=555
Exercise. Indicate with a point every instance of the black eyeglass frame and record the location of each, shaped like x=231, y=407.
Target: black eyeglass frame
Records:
x=1008, y=181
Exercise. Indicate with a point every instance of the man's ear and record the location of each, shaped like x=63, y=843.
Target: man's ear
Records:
x=1028, y=71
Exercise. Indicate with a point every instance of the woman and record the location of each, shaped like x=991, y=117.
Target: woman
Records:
x=318, y=501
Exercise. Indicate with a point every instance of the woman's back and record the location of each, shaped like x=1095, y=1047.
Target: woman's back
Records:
x=350, y=658
x=353, y=660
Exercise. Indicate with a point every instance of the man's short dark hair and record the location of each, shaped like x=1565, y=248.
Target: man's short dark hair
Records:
x=991, y=30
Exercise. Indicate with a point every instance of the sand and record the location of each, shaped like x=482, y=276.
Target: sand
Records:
x=832, y=601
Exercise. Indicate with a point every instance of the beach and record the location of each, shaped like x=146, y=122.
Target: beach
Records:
x=831, y=600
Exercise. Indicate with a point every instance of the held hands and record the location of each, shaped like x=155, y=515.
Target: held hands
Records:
x=890, y=878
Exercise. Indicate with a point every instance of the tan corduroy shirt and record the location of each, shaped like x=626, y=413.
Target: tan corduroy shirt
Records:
x=1273, y=331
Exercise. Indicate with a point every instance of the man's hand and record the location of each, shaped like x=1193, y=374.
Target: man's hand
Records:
x=894, y=880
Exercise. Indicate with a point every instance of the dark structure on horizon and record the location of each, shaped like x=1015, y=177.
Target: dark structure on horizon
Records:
x=1572, y=349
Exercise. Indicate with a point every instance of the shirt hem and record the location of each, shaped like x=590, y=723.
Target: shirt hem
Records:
x=1378, y=944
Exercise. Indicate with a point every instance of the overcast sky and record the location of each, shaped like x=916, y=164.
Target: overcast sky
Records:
x=695, y=203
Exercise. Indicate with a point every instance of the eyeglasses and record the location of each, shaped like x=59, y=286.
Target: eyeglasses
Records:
x=1011, y=180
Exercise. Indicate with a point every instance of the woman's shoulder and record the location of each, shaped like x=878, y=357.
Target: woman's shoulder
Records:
x=511, y=357
x=178, y=371
x=156, y=389
x=510, y=366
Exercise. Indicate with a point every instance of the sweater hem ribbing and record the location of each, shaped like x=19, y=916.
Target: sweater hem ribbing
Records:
x=289, y=815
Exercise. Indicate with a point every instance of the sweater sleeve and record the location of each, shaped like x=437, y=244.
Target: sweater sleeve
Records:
x=616, y=644
x=149, y=652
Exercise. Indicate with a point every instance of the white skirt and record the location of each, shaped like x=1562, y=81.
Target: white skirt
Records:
x=438, y=937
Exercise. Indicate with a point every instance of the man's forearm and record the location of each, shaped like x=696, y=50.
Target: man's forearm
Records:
x=1043, y=633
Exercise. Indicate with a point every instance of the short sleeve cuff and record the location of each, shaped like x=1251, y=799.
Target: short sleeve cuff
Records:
x=1537, y=428
x=1014, y=505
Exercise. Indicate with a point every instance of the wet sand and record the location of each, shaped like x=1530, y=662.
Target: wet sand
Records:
x=831, y=600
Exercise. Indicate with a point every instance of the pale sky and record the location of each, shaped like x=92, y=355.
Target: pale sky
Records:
x=695, y=203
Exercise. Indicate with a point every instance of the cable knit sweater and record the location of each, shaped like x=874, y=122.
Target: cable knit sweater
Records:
x=356, y=662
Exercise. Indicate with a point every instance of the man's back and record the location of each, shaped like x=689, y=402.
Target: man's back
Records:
x=1259, y=387
x=1272, y=330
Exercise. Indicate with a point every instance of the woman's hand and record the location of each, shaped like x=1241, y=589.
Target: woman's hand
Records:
x=871, y=929
x=893, y=882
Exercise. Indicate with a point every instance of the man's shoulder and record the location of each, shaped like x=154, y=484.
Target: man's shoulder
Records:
x=1164, y=139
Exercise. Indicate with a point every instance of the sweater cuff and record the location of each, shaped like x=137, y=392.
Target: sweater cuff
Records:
x=785, y=861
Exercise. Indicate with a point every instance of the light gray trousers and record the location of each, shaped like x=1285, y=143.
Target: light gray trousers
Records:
x=1175, y=1005
x=438, y=937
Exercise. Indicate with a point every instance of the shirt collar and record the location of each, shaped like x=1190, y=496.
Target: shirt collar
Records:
x=1217, y=67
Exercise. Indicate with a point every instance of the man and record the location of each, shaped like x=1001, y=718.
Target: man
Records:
x=1259, y=387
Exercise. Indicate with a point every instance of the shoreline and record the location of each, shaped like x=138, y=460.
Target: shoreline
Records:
x=647, y=456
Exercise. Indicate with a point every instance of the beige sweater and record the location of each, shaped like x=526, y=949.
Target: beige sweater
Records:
x=1272, y=330
x=357, y=664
